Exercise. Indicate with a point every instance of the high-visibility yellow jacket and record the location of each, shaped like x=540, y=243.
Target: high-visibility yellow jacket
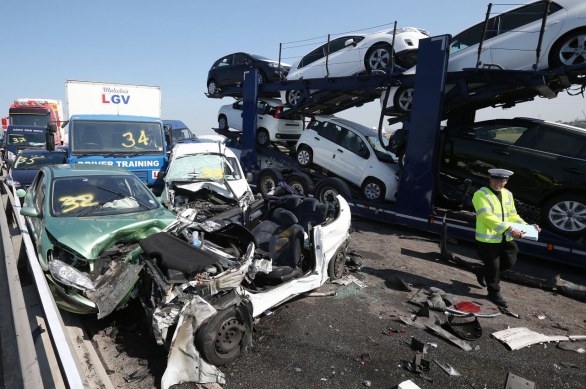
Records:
x=492, y=219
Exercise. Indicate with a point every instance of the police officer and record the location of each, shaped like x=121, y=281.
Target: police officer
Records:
x=495, y=210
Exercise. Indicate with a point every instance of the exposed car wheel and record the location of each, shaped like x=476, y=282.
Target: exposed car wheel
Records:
x=569, y=50
x=304, y=156
x=403, y=99
x=330, y=187
x=336, y=265
x=373, y=189
x=212, y=87
x=294, y=98
x=222, y=338
x=222, y=122
x=378, y=57
x=565, y=215
x=300, y=182
x=262, y=137
x=268, y=180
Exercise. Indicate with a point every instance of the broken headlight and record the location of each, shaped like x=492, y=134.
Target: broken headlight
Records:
x=70, y=276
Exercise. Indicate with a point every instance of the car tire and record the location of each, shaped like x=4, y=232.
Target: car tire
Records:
x=403, y=99
x=294, y=98
x=263, y=138
x=304, y=156
x=565, y=215
x=337, y=264
x=300, y=182
x=212, y=87
x=221, y=339
x=332, y=186
x=223, y=122
x=378, y=57
x=267, y=180
x=567, y=50
x=373, y=189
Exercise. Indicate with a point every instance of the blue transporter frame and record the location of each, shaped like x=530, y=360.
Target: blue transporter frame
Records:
x=415, y=206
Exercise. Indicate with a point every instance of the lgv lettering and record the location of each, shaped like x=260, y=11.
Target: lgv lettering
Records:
x=124, y=164
x=115, y=99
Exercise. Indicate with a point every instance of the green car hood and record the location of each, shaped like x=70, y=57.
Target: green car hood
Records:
x=90, y=236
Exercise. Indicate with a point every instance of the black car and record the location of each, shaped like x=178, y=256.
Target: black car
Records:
x=28, y=163
x=229, y=70
x=548, y=159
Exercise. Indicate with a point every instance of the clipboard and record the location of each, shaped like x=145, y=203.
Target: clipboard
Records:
x=529, y=230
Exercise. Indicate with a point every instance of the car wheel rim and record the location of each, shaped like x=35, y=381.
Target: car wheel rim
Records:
x=406, y=100
x=569, y=216
x=294, y=97
x=268, y=184
x=573, y=52
x=229, y=337
x=327, y=193
x=379, y=59
x=298, y=187
x=212, y=88
x=263, y=138
x=339, y=263
x=372, y=191
x=303, y=157
x=222, y=123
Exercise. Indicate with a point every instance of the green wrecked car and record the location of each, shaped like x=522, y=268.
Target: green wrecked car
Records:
x=85, y=222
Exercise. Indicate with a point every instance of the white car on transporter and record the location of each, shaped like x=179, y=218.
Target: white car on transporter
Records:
x=510, y=42
x=350, y=151
x=353, y=54
x=272, y=123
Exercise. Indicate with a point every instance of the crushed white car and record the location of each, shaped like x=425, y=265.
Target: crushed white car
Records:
x=208, y=280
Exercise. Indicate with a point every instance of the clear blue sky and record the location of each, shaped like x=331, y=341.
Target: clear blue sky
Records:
x=172, y=44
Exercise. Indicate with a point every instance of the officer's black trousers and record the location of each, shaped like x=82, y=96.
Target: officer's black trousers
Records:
x=497, y=257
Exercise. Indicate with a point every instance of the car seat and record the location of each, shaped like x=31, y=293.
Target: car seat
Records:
x=280, y=238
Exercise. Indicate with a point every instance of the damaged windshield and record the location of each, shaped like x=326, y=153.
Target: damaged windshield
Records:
x=204, y=167
x=100, y=195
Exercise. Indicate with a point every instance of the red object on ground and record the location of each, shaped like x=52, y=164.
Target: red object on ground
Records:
x=467, y=306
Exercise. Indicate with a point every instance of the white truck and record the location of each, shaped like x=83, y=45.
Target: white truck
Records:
x=117, y=124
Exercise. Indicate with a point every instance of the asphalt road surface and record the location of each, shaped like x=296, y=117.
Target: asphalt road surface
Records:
x=356, y=338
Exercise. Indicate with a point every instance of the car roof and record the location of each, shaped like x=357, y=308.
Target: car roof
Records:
x=175, y=124
x=42, y=151
x=203, y=147
x=77, y=169
x=366, y=131
x=535, y=121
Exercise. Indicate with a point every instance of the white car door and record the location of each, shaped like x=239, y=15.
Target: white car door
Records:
x=325, y=135
x=344, y=58
x=234, y=115
x=515, y=46
x=347, y=163
x=464, y=47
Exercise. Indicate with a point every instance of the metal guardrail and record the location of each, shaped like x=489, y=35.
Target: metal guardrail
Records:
x=56, y=363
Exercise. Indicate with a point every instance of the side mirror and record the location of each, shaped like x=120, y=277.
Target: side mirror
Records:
x=349, y=42
x=29, y=211
x=50, y=140
x=249, y=178
x=51, y=128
